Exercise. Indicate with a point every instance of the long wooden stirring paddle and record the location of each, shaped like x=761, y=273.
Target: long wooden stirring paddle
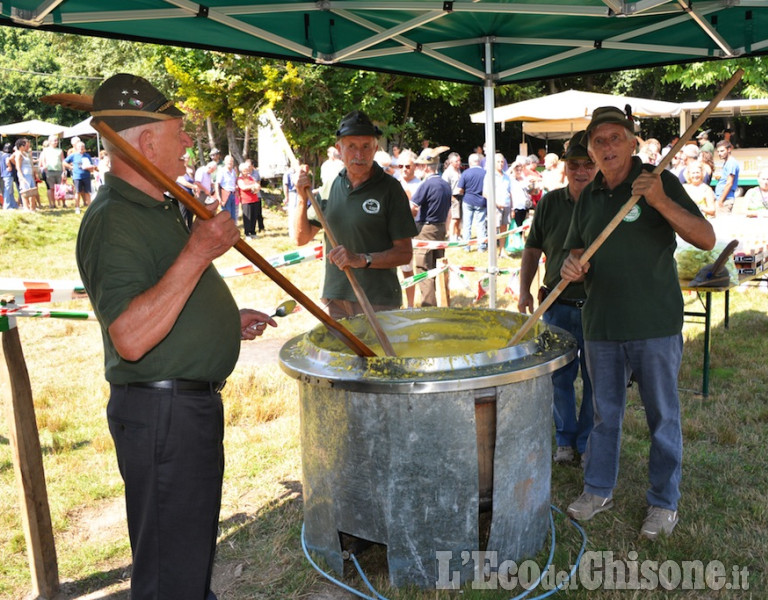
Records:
x=141, y=164
x=362, y=298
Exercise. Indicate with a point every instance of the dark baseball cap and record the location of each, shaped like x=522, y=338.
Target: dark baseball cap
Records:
x=577, y=146
x=124, y=101
x=610, y=114
x=357, y=123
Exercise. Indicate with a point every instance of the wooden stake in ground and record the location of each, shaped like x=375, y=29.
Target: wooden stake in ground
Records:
x=356, y=287
x=624, y=210
x=28, y=463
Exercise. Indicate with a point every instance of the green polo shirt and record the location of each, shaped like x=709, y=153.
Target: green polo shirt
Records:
x=127, y=241
x=366, y=219
x=549, y=227
x=633, y=291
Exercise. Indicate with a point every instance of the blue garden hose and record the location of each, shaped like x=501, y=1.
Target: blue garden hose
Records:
x=378, y=596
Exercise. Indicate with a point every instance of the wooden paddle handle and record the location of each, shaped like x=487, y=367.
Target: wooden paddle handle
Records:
x=624, y=210
x=140, y=163
x=360, y=294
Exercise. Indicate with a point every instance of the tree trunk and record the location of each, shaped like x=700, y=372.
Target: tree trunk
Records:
x=200, y=150
x=552, y=87
x=209, y=126
x=246, y=140
x=232, y=142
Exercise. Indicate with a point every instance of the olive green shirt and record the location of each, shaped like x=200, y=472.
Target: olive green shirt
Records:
x=366, y=219
x=550, y=224
x=633, y=291
x=127, y=241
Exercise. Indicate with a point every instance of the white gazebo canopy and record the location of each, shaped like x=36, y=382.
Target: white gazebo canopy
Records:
x=727, y=108
x=82, y=128
x=33, y=128
x=558, y=116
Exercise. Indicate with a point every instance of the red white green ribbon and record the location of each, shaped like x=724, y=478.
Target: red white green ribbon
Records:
x=439, y=245
x=25, y=311
x=30, y=291
x=414, y=279
x=294, y=257
x=512, y=287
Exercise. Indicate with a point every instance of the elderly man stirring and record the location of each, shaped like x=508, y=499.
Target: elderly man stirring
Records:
x=633, y=315
x=371, y=220
x=167, y=354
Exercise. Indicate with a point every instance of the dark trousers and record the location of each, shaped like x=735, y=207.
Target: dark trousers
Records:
x=251, y=217
x=171, y=456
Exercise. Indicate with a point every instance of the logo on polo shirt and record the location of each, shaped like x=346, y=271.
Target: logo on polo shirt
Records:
x=633, y=215
x=372, y=206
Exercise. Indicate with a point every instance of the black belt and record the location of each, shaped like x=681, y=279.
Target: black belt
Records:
x=181, y=385
x=570, y=302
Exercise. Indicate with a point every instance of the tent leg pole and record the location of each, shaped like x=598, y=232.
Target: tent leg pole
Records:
x=490, y=171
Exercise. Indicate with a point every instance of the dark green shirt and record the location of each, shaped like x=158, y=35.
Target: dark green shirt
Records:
x=551, y=221
x=127, y=241
x=633, y=291
x=366, y=219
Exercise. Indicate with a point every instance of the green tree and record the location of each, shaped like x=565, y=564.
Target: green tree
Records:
x=704, y=80
x=39, y=63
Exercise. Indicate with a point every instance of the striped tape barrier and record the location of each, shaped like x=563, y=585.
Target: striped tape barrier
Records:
x=25, y=311
x=28, y=291
x=294, y=257
x=440, y=245
x=414, y=279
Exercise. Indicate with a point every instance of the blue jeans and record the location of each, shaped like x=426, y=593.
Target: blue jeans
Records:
x=570, y=431
x=230, y=205
x=9, y=201
x=478, y=214
x=655, y=363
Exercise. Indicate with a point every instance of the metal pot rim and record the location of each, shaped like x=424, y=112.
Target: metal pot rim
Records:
x=547, y=350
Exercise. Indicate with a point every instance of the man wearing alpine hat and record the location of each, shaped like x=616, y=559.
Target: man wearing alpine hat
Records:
x=166, y=352
x=633, y=315
x=370, y=217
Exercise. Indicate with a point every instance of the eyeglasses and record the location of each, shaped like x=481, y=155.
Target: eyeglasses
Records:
x=406, y=166
x=575, y=165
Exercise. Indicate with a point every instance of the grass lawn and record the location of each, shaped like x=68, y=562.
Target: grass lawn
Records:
x=724, y=508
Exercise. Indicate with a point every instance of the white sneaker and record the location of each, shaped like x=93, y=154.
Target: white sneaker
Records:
x=658, y=521
x=565, y=454
x=587, y=506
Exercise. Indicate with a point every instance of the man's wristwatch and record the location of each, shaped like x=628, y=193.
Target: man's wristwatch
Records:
x=368, y=260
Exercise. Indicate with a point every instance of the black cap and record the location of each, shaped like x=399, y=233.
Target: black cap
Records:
x=610, y=114
x=124, y=101
x=357, y=123
x=577, y=146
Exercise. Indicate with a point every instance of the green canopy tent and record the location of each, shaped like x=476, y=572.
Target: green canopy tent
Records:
x=485, y=42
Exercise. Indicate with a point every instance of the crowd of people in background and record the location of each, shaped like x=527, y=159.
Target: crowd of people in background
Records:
x=22, y=173
x=71, y=177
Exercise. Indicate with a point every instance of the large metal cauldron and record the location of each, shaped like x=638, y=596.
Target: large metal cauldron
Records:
x=410, y=451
